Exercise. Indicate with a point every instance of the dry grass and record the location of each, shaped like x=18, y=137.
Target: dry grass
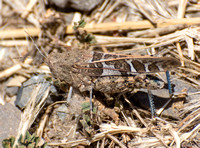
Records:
x=151, y=27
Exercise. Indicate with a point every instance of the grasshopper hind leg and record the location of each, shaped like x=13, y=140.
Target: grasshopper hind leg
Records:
x=169, y=83
x=91, y=106
x=150, y=96
x=151, y=103
x=69, y=96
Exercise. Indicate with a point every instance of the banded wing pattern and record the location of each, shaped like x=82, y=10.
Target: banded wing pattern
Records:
x=103, y=64
x=115, y=73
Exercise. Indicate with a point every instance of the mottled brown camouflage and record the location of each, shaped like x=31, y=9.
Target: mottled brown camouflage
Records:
x=108, y=73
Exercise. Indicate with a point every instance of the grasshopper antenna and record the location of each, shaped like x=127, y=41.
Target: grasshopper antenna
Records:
x=36, y=46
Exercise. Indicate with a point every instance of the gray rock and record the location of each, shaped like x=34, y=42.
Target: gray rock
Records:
x=81, y=5
x=161, y=96
x=25, y=91
x=9, y=121
x=11, y=91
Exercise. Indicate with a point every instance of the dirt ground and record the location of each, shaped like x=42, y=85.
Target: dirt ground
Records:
x=53, y=61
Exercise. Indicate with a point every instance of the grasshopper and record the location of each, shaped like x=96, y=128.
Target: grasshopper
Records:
x=109, y=73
